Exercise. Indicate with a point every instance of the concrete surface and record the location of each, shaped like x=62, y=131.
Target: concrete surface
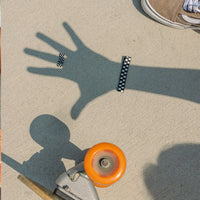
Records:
x=50, y=116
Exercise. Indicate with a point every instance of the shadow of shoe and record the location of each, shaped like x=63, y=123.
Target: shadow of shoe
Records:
x=197, y=31
x=137, y=4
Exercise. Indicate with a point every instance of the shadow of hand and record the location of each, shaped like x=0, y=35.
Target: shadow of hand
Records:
x=92, y=72
x=97, y=75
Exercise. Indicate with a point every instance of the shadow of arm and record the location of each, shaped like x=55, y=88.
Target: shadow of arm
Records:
x=179, y=83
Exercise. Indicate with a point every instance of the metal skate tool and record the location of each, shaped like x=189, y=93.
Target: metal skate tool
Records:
x=71, y=185
x=123, y=73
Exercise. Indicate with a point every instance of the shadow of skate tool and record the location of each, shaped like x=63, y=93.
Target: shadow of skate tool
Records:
x=46, y=165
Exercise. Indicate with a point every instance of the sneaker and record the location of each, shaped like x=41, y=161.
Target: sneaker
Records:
x=174, y=13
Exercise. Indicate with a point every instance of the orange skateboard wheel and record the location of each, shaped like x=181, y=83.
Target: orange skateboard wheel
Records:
x=104, y=164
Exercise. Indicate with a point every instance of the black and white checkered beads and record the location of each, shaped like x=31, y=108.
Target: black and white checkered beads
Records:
x=61, y=59
x=123, y=74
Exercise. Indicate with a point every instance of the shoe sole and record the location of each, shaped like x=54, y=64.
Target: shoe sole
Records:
x=156, y=16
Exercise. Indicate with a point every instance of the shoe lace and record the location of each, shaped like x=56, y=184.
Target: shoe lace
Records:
x=192, y=6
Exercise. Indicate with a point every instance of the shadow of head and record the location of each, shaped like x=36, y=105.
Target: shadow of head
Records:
x=49, y=132
x=176, y=175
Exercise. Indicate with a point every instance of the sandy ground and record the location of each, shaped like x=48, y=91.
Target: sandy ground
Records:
x=51, y=115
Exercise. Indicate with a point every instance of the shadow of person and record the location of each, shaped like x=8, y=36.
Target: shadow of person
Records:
x=176, y=175
x=45, y=166
x=97, y=75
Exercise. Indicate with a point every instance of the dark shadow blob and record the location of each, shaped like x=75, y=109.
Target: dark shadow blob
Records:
x=45, y=166
x=97, y=75
x=176, y=175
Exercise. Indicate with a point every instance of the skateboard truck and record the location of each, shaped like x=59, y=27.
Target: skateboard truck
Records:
x=75, y=185
x=104, y=164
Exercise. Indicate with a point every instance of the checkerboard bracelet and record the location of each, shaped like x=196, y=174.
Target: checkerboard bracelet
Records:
x=61, y=59
x=123, y=74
